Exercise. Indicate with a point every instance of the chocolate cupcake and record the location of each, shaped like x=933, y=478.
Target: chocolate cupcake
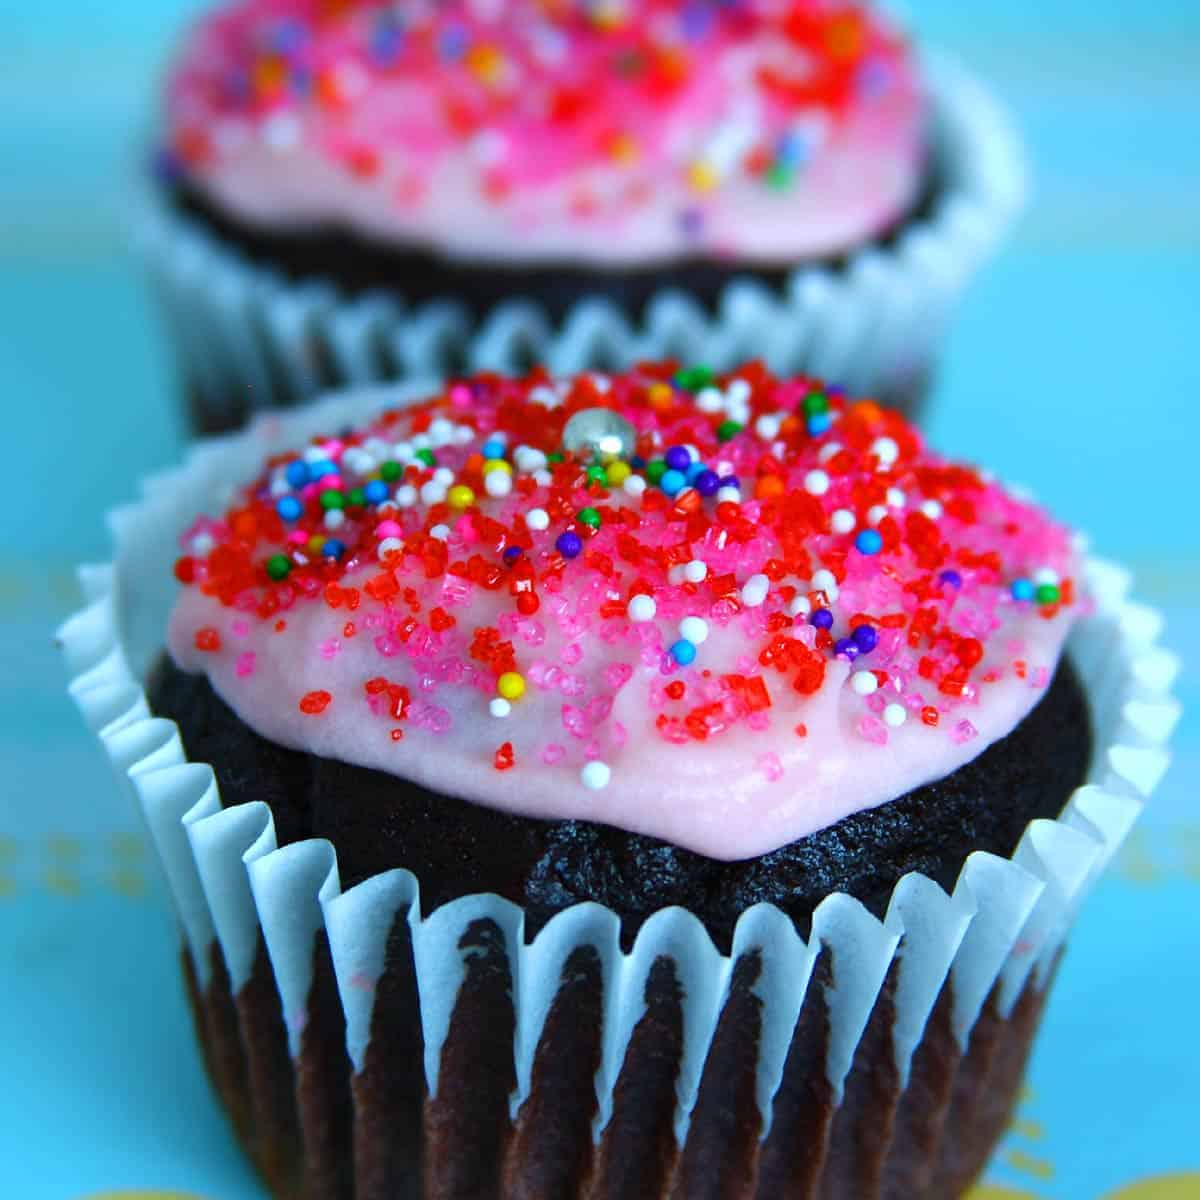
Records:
x=354, y=192
x=630, y=786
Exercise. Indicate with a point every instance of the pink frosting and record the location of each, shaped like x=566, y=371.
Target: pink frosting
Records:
x=608, y=131
x=743, y=708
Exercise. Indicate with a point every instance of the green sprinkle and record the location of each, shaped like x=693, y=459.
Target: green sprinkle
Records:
x=692, y=379
x=814, y=403
x=278, y=566
x=779, y=176
x=355, y=498
x=332, y=498
x=589, y=516
x=427, y=457
x=728, y=429
x=390, y=471
x=556, y=457
x=655, y=471
x=1048, y=593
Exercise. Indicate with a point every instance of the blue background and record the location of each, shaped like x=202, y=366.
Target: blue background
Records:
x=1074, y=368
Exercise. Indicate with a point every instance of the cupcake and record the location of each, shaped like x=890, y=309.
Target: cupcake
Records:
x=351, y=192
x=644, y=785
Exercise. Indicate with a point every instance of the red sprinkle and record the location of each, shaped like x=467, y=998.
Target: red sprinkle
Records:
x=314, y=703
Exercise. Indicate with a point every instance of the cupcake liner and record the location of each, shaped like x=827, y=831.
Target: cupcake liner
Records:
x=829, y=1066
x=249, y=338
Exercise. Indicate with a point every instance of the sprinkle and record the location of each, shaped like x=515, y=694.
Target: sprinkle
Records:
x=569, y=544
x=932, y=509
x=816, y=483
x=694, y=629
x=754, y=591
x=279, y=566
x=1022, y=589
x=868, y=541
x=842, y=521
x=864, y=683
x=642, y=608
x=821, y=618
x=537, y=519
x=441, y=532
x=825, y=581
x=505, y=758
x=289, y=508
x=886, y=450
x=497, y=484
x=312, y=704
x=894, y=715
x=595, y=775
x=695, y=572
x=683, y=652
x=511, y=685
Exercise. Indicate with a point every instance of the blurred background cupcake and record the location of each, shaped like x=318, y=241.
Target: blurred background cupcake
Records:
x=356, y=191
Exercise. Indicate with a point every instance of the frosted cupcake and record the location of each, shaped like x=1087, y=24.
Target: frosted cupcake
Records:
x=702, y=757
x=356, y=191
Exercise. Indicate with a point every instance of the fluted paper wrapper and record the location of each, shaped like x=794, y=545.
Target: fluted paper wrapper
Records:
x=249, y=338
x=368, y=1049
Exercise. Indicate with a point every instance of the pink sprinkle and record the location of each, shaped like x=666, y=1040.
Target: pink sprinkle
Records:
x=553, y=753
x=330, y=648
x=460, y=396
x=386, y=529
x=572, y=685
x=1041, y=677
x=467, y=532
x=771, y=767
x=598, y=708
x=245, y=664
x=537, y=673
x=760, y=722
x=963, y=732
x=240, y=627
x=297, y=537
x=575, y=721
x=618, y=675
x=873, y=729
x=572, y=654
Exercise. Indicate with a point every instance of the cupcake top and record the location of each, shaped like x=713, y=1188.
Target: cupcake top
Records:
x=603, y=131
x=723, y=611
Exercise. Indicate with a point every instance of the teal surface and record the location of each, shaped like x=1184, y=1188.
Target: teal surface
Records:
x=1074, y=369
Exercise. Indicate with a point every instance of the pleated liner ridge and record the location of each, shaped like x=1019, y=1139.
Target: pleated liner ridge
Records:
x=368, y=1052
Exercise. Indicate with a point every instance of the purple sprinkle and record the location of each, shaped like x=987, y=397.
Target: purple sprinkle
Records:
x=846, y=648
x=569, y=544
x=678, y=458
x=707, y=483
x=512, y=554
x=865, y=638
x=822, y=618
x=952, y=578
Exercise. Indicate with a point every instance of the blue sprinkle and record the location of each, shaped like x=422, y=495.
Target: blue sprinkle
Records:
x=673, y=482
x=376, y=492
x=512, y=554
x=320, y=469
x=683, y=652
x=1023, y=589
x=297, y=473
x=492, y=449
x=289, y=508
x=695, y=471
x=333, y=548
x=868, y=541
x=846, y=648
x=819, y=423
x=950, y=578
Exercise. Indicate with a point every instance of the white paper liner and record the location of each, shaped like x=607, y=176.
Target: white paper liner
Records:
x=248, y=336
x=228, y=879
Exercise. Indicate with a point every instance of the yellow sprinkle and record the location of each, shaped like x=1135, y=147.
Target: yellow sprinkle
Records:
x=511, y=685
x=497, y=464
x=461, y=496
x=617, y=473
x=315, y=543
x=702, y=176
